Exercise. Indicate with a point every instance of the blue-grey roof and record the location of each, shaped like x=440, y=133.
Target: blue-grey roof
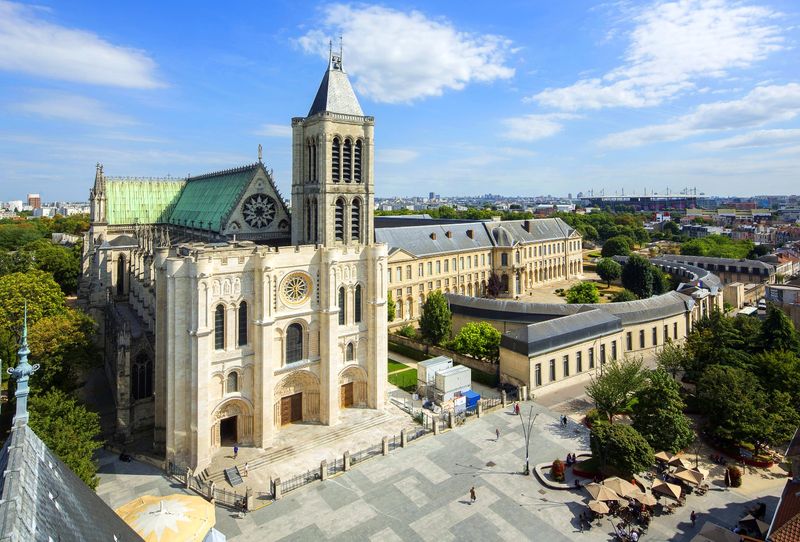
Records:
x=708, y=260
x=543, y=337
x=335, y=95
x=420, y=241
x=43, y=500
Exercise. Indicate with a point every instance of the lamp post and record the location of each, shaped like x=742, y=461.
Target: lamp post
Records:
x=526, y=432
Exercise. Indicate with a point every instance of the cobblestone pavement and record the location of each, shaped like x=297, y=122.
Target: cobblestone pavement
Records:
x=422, y=493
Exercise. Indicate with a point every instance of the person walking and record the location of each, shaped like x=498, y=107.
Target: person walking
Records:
x=693, y=517
x=516, y=409
x=235, y=451
x=497, y=434
x=246, y=468
x=472, y=497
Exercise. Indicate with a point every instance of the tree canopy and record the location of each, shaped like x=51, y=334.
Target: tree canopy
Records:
x=583, y=292
x=718, y=246
x=62, y=344
x=621, y=447
x=479, y=340
x=612, y=389
x=609, y=270
x=617, y=246
x=777, y=331
x=436, y=320
x=658, y=414
x=643, y=278
x=624, y=295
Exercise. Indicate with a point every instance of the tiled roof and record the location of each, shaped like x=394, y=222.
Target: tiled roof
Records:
x=140, y=201
x=786, y=523
x=43, y=500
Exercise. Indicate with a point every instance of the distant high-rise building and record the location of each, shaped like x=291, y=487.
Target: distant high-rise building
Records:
x=430, y=195
x=35, y=201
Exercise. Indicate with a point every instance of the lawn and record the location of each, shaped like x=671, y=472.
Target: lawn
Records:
x=405, y=380
x=396, y=366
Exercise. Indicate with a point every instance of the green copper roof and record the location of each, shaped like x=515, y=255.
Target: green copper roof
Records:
x=206, y=201
x=140, y=201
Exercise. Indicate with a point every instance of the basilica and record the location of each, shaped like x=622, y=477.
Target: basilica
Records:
x=224, y=315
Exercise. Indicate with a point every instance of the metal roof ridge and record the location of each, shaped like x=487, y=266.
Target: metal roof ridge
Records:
x=240, y=169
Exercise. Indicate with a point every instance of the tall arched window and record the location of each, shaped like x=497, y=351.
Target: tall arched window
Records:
x=141, y=377
x=341, y=306
x=294, y=343
x=350, y=352
x=357, y=162
x=121, y=274
x=310, y=161
x=233, y=382
x=219, y=327
x=242, y=323
x=336, y=153
x=357, y=304
x=347, y=163
x=338, y=218
x=313, y=160
x=355, y=220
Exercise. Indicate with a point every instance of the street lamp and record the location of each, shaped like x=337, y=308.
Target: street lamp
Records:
x=526, y=431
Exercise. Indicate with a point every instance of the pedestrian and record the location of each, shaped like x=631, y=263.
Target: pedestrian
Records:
x=497, y=432
x=580, y=522
x=516, y=409
x=235, y=451
x=246, y=468
x=727, y=479
x=472, y=497
x=693, y=517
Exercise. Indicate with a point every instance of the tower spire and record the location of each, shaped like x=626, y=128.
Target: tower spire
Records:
x=22, y=373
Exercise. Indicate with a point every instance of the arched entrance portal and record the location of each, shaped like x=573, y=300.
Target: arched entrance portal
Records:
x=233, y=423
x=353, y=387
x=297, y=398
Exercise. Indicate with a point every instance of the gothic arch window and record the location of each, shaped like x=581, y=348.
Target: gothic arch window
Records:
x=242, y=323
x=219, y=327
x=357, y=304
x=350, y=352
x=339, y=220
x=342, y=300
x=232, y=384
x=141, y=377
x=308, y=219
x=121, y=274
x=357, y=161
x=294, y=343
x=355, y=220
x=347, y=160
x=336, y=156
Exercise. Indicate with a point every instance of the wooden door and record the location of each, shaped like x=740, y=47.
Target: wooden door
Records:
x=297, y=407
x=347, y=395
x=286, y=410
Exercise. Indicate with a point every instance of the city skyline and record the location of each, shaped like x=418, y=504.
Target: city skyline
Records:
x=530, y=100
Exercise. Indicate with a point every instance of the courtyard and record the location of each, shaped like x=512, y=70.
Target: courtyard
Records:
x=422, y=492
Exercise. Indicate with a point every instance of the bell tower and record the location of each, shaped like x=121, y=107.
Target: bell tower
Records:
x=333, y=192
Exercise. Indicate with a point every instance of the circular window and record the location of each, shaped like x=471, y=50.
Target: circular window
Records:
x=259, y=210
x=296, y=288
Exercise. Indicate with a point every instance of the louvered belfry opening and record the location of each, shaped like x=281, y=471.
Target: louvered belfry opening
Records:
x=357, y=162
x=336, y=154
x=347, y=163
x=355, y=220
x=339, y=219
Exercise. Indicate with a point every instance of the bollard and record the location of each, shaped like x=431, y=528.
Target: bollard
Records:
x=523, y=393
x=188, y=477
x=435, y=427
x=503, y=398
x=479, y=409
x=211, y=488
x=346, y=461
x=323, y=470
x=249, y=500
x=385, y=443
x=403, y=439
x=451, y=420
x=276, y=489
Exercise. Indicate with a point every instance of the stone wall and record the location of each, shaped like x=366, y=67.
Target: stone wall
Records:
x=433, y=351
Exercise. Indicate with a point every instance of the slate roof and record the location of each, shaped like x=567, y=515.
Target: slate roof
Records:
x=140, y=201
x=544, y=337
x=786, y=523
x=706, y=260
x=335, y=95
x=43, y=500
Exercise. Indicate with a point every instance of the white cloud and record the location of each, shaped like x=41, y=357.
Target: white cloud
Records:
x=274, y=130
x=673, y=45
x=758, y=138
x=763, y=105
x=32, y=45
x=71, y=108
x=396, y=156
x=535, y=127
x=397, y=56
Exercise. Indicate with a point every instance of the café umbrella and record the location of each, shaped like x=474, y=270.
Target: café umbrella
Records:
x=664, y=488
x=601, y=492
x=184, y=518
x=598, y=507
x=621, y=487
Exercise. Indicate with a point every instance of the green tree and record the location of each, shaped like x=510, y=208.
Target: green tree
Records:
x=57, y=260
x=612, y=389
x=391, y=309
x=732, y=400
x=62, y=345
x=621, y=447
x=494, y=285
x=672, y=358
x=777, y=331
x=479, y=340
x=672, y=228
x=436, y=320
x=658, y=414
x=617, y=246
x=609, y=270
x=624, y=295
x=583, y=292
x=69, y=430
x=638, y=276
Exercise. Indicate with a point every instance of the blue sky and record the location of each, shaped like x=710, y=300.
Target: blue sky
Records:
x=515, y=98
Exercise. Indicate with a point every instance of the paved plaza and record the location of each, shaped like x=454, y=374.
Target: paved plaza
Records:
x=422, y=493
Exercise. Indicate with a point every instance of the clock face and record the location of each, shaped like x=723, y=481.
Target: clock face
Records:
x=259, y=210
x=296, y=288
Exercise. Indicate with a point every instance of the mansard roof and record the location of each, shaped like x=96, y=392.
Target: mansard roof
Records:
x=543, y=337
x=335, y=95
x=43, y=500
x=140, y=200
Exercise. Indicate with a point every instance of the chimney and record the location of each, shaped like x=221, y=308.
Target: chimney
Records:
x=471, y=234
x=449, y=234
x=527, y=226
x=433, y=236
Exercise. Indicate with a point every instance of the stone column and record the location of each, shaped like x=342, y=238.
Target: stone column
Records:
x=265, y=358
x=329, y=337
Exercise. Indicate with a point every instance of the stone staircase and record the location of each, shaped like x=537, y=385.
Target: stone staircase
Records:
x=276, y=455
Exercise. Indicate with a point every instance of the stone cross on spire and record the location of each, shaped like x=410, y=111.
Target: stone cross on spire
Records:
x=22, y=372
